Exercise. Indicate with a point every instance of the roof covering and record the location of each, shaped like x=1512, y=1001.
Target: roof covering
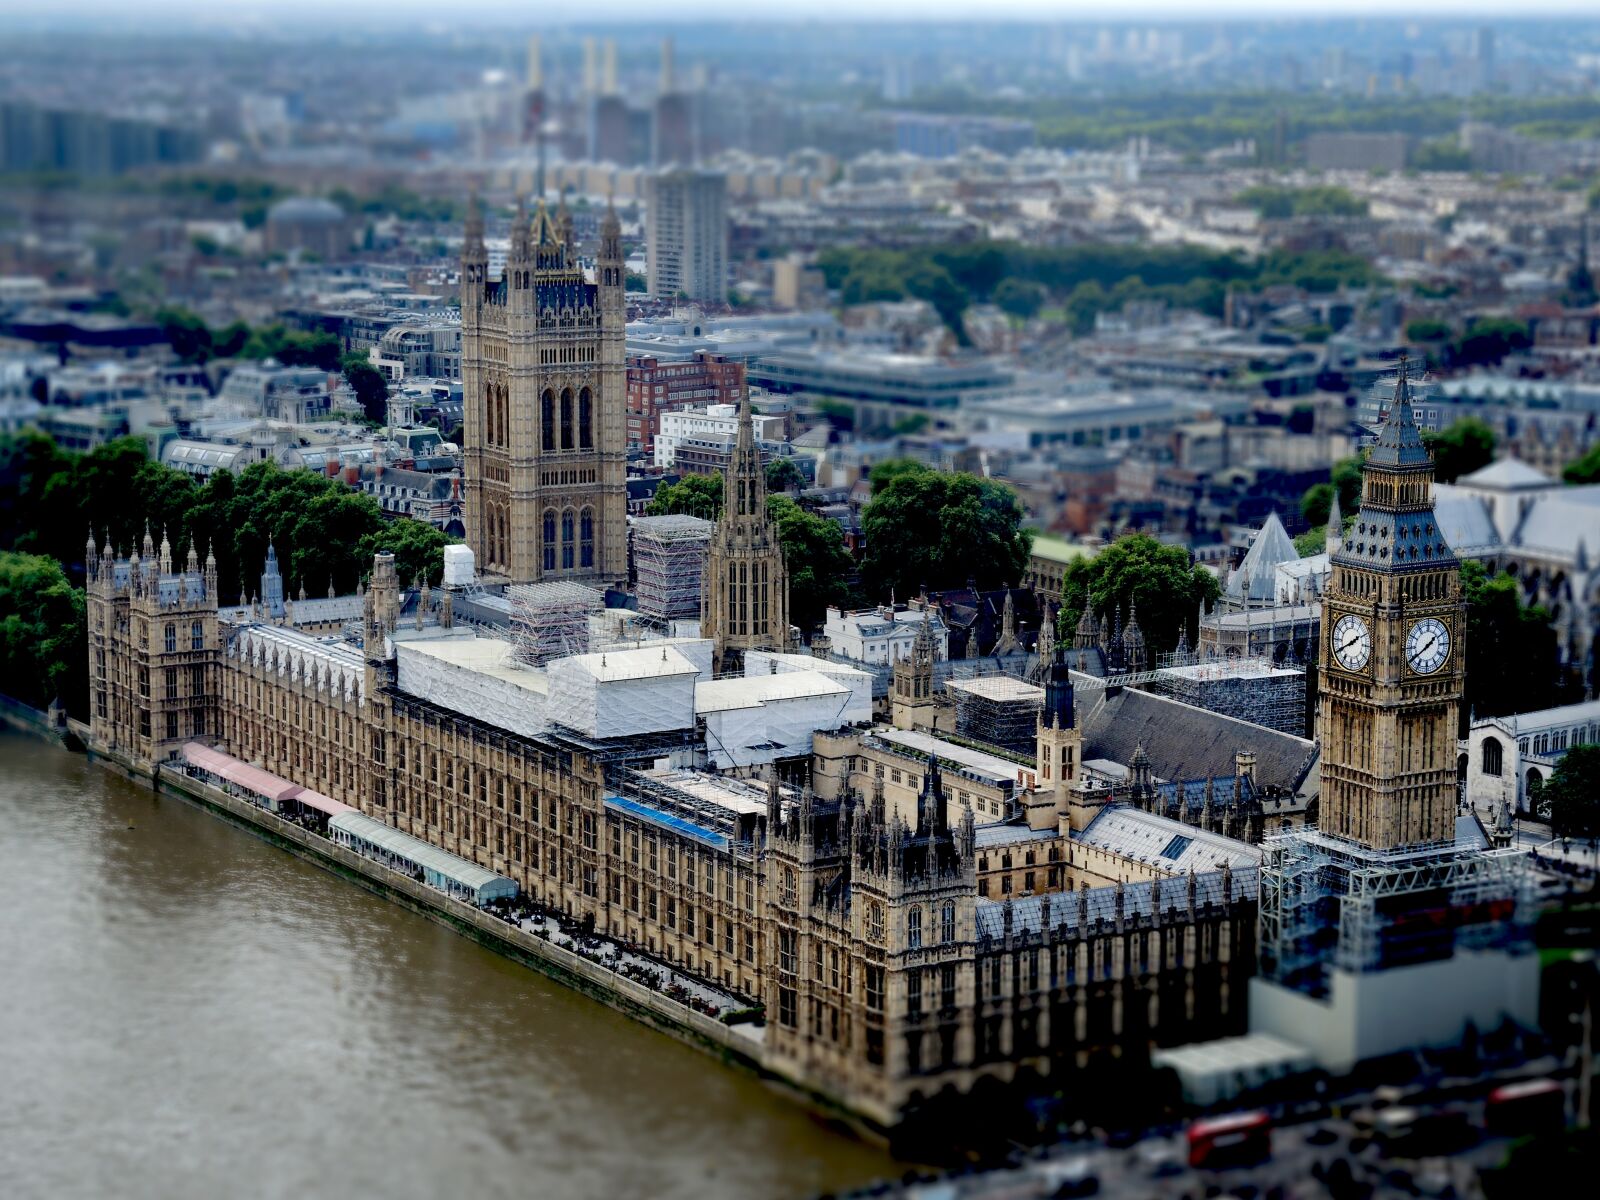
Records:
x=1028, y=913
x=1399, y=442
x=975, y=761
x=1507, y=474
x=643, y=662
x=1185, y=742
x=998, y=687
x=1256, y=577
x=240, y=773
x=1465, y=521
x=722, y=695
x=402, y=845
x=1562, y=522
x=655, y=816
x=1164, y=843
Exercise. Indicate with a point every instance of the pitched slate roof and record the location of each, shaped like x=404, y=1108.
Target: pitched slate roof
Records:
x=1185, y=742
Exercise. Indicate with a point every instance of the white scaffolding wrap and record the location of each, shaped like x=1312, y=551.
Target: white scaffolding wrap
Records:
x=858, y=711
x=755, y=720
x=477, y=677
x=624, y=693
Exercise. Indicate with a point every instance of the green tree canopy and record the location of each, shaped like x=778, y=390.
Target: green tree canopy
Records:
x=696, y=495
x=1573, y=793
x=929, y=527
x=1020, y=297
x=43, y=652
x=784, y=476
x=1586, y=469
x=1427, y=330
x=1345, y=479
x=1512, y=664
x=1460, y=449
x=371, y=388
x=1137, y=573
x=814, y=553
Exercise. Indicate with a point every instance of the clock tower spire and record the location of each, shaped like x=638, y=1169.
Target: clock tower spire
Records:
x=1391, y=654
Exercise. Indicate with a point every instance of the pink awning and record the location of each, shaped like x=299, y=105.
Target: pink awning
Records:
x=250, y=778
x=324, y=804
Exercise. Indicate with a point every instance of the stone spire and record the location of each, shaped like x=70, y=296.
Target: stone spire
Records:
x=521, y=242
x=1134, y=658
x=1087, y=634
x=564, y=231
x=1335, y=537
x=1047, y=634
x=1007, y=643
x=1059, y=710
x=166, y=554
x=747, y=587
x=930, y=801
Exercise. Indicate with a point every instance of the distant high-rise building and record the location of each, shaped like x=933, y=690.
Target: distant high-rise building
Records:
x=674, y=132
x=609, y=136
x=1483, y=55
x=686, y=231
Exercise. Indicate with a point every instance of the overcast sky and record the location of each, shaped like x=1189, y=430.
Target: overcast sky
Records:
x=592, y=11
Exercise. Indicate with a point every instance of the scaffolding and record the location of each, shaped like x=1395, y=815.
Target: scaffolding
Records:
x=1251, y=689
x=551, y=620
x=669, y=561
x=1332, y=904
x=997, y=710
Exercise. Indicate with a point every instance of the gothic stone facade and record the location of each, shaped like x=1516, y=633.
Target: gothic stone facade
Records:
x=885, y=977
x=542, y=376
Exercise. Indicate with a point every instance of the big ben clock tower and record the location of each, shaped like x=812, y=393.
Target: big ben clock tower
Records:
x=1391, y=655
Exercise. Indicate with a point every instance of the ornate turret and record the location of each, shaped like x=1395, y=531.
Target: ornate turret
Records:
x=1134, y=658
x=1007, y=642
x=1335, y=532
x=1087, y=634
x=474, y=255
x=930, y=801
x=521, y=242
x=747, y=587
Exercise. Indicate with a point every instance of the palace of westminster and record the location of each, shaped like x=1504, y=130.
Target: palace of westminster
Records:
x=911, y=921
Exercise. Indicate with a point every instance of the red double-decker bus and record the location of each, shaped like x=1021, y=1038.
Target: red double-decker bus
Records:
x=1236, y=1140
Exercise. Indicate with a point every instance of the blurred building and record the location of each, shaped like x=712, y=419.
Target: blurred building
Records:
x=686, y=235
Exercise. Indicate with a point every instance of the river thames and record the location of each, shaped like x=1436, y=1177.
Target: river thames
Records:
x=187, y=1012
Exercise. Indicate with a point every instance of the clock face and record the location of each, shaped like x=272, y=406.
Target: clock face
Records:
x=1352, y=642
x=1427, y=646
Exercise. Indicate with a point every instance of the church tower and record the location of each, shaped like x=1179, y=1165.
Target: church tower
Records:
x=747, y=587
x=911, y=700
x=1391, y=654
x=1058, y=742
x=542, y=378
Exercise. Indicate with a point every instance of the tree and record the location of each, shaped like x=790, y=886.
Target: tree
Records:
x=189, y=336
x=696, y=495
x=928, y=527
x=371, y=388
x=887, y=471
x=1586, y=469
x=817, y=562
x=1460, y=449
x=784, y=476
x=43, y=650
x=1020, y=297
x=1512, y=663
x=1139, y=575
x=1573, y=793
x=1427, y=330
x=1345, y=479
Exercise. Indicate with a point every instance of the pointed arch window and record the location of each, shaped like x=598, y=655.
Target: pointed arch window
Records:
x=586, y=537
x=549, y=536
x=567, y=539
x=547, y=420
x=585, y=419
x=566, y=418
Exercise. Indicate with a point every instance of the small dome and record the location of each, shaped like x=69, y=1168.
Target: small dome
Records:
x=305, y=210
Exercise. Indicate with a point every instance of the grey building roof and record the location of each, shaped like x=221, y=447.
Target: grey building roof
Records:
x=1184, y=742
x=1162, y=842
x=1028, y=913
